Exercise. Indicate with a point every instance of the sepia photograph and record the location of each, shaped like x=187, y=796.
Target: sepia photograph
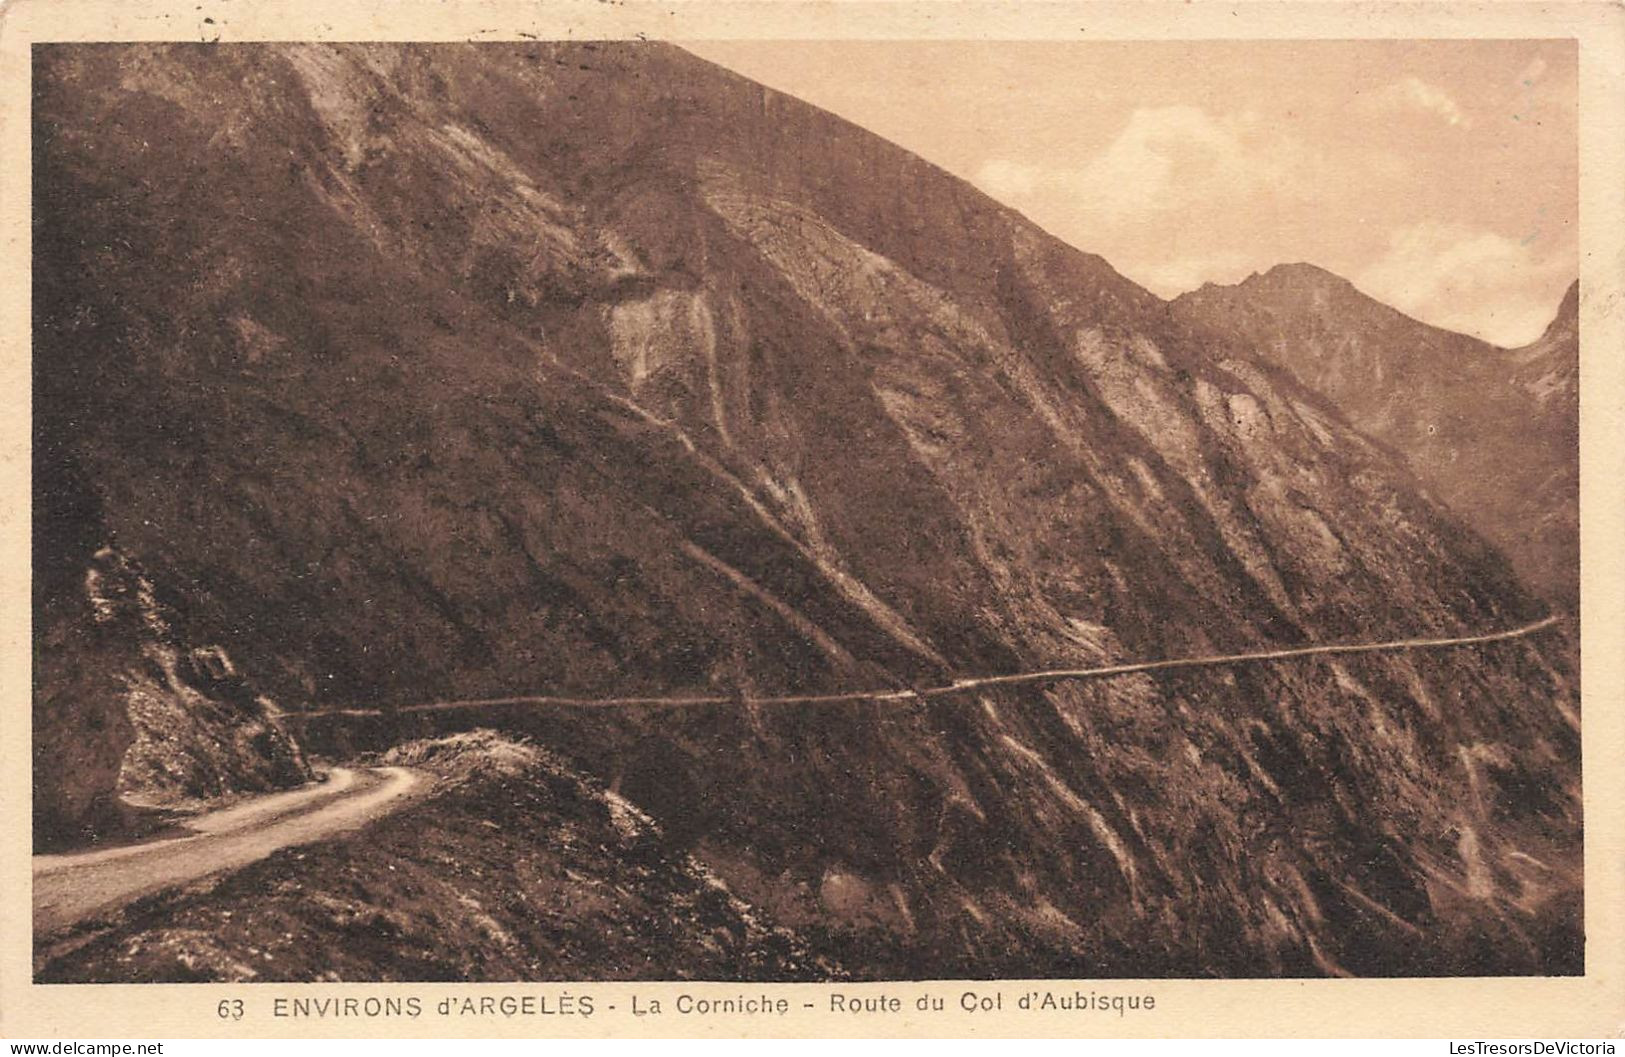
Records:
x=837, y=511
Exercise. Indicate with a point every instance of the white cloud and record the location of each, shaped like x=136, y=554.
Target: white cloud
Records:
x=1008, y=180
x=1163, y=197
x=1413, y=93
x=1136, y=173
x=1164, y=160
x=1470, y=280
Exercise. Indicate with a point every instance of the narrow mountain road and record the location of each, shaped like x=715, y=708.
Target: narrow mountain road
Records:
x=70, y=888
x=958, y=686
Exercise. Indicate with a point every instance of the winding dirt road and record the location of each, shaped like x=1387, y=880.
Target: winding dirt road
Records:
x=70, y=888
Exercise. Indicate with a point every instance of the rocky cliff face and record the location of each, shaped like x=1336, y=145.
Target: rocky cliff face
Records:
x=128, y=716
x=1494, y=433
x=81, y=729
x=474, y=370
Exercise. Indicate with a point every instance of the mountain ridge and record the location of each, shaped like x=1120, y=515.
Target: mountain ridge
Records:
x=1305, y=272
x=1493, y=431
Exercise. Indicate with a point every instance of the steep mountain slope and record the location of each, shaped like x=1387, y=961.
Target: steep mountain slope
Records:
x=470, y=370
x=1494, y=433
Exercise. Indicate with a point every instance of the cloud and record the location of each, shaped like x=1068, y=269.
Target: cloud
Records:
x=1139, y=172
x=1008, y=180
x=1164, y=160
x=1178, y=196
x=1471, y=280
x=1415, y=94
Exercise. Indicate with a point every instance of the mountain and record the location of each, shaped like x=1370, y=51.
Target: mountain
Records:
x=419, y=372
x=1494, y=433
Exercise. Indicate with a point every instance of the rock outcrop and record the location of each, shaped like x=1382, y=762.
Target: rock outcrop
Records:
x=128, y=717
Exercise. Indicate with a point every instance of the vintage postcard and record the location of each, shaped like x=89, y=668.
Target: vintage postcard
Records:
x=812, y=519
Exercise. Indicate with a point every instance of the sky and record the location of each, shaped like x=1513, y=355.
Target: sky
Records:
x=1440, y=177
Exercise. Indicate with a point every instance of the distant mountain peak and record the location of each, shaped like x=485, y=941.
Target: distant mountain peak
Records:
x=1295, y=277
x=1489, y=429
x=1303, y=270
